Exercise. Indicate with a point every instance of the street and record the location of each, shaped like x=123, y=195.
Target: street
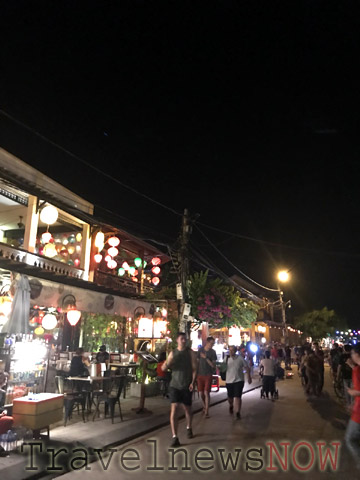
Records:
x=291, y=419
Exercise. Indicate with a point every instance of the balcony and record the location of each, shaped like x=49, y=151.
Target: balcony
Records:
x=26, y=262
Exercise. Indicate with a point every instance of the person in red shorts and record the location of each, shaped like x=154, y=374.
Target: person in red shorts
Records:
x=352, y=435
x=207, y=364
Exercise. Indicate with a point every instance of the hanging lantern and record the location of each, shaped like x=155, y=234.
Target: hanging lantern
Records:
x=49, y=250
x=138, y=262
x=132, y=271
x=155, y=281
x=156, y=261
x=164, y=312
x=64, y=252
x=73, y=316
x=134, y=279
x=46, y=237
x=100, y=240
x=108, y=258
x=65, y=241
x=39, y=331
x=71, y=250
x=49, y=321
x=112, y=264
x=77, y=262
x=113, y=251
x=136, y=273
x=156, y=270
x=98, y=257
x=125, y=266
x=78, y=248
x=78, y=237
x=121, y=271
x=113, y=241
x=49, y=215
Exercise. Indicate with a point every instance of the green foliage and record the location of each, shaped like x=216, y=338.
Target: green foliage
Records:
x=318, y=323
x=101, y=329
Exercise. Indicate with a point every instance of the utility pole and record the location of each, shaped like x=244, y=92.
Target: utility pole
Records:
x=186, y=229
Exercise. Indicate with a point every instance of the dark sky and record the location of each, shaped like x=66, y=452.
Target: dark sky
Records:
x=245, y=112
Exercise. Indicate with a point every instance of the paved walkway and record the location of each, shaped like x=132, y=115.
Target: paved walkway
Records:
x=292, y=418
x=102, y=434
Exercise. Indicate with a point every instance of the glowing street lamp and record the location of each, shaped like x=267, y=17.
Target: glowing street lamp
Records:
x=283, y=276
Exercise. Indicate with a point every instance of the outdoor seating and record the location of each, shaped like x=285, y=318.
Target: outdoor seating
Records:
x=110, y=398
x=75, y=395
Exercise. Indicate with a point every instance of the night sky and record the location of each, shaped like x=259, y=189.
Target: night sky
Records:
x=245, y=112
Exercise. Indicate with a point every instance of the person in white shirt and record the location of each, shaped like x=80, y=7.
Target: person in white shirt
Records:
x=235, y=379
x=267, y=365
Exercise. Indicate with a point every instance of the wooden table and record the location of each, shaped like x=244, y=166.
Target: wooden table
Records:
x=38, y=411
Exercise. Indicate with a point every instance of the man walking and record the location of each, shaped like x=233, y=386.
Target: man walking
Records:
x=183, y=365
x=207, y=364
x=235, y=366
x=352, y=435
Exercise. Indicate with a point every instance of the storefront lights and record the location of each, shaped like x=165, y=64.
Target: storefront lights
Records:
x=73, y=316
x=49, y=321
x=138, y=262
x=112, y=264
x=98, y=257
x=100, y=240
x=49, y=215
x=113, y=241
x=156, y=261
x=113, y=251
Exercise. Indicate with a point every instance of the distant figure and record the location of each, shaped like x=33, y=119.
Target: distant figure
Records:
x=102, y=356
x=79, y=364
x=344, y=373
x=267, y=367
x=206, y=369
x=352, y=435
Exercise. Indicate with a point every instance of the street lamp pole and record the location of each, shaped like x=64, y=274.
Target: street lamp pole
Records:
x=283, y=276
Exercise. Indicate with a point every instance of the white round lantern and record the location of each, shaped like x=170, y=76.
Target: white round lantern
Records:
x=49, y=215
x=49, y=321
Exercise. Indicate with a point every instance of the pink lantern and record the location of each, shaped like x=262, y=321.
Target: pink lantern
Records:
x=113, y=251
x=113, y=242
x=112, y=264
x=155, y=281
x=98, y=257
x=125, y=266
x=73, y=316
x=156, y=261
x=77, y=262
x=156, y=270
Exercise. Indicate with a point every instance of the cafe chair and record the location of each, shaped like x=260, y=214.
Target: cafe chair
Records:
x=74, y=397
x=111, y=398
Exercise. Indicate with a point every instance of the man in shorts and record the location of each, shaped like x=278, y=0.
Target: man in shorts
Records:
x=207, y=364
x=235, y=379
x=183, y=364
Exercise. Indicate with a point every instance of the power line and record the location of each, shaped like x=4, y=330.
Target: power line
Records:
x=282, y=245
x=233, y=265
x=85, y=162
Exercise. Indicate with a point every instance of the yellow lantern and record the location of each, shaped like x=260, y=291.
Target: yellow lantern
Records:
x=50, y=250
x=78, y=237
x=39, y=331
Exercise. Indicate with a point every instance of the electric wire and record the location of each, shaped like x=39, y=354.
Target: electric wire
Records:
x=233, y=265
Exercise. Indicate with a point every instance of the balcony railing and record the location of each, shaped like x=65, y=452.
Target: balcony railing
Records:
x=37, y=261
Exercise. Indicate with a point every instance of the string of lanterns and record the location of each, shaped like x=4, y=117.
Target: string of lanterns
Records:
x=112, y=252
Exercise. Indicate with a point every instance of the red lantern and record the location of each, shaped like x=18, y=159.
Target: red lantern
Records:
x=108, y=258
x=156, y=261
x=155, y=281
x=134, y=279
x=113, y=242
x=77, y=262
x=156, y=270
x=98, y=257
